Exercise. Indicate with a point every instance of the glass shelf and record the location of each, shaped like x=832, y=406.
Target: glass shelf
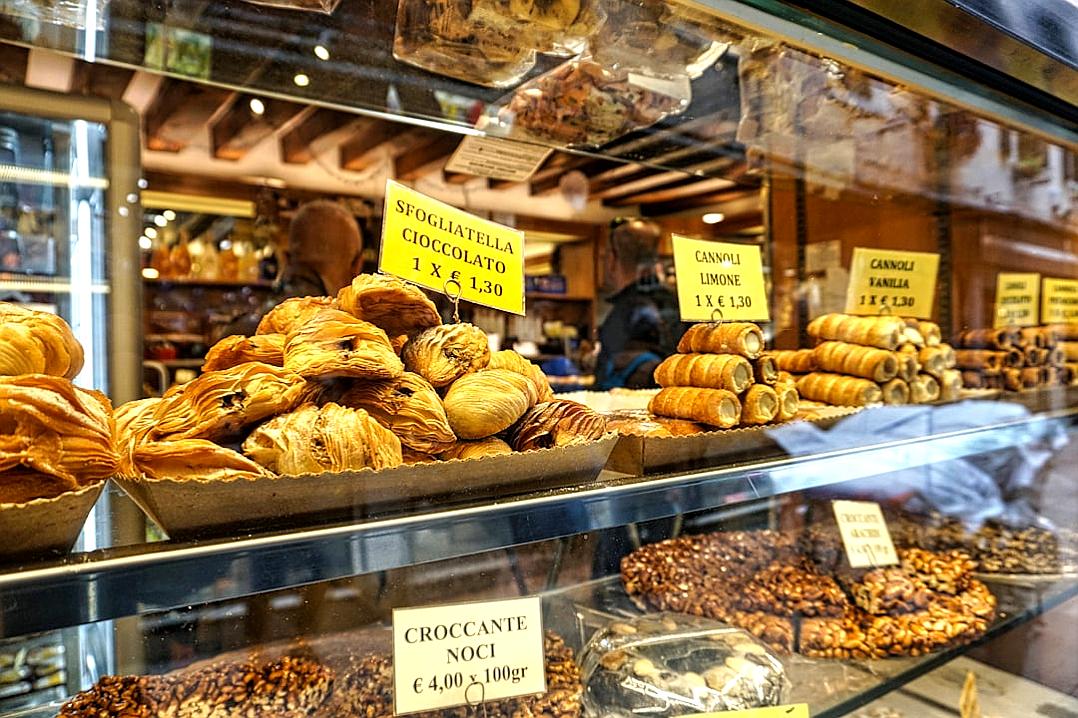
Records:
x=47, y=285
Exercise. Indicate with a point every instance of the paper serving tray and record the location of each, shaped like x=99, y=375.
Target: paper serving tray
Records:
x=640, y=455
x=203, y=508
x=45, y=527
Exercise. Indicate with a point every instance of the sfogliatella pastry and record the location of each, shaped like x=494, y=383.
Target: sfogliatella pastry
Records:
x=333, y=343
x=221, y=403
x=444, y=353
x=193, y=460
x=714, y=407
x=238, y=349
x=490, y=446
x=707, y=371
x=744, y=338
x=509, y=359
x=135, y=422
x=488, y=402
x=408, y=406
x=313, y=439
x=396, y=306
x=49, y=426
x=291, y=314
x=556, y=423
x=33, y=342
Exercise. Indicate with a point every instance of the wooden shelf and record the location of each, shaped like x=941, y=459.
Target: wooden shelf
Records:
x=222, y=283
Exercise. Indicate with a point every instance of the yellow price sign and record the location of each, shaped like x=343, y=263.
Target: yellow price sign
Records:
x=796, y=710
x=1017, y=296
x=440, y=247
x=719, y=280
x=1059, y=300
x=883, y=281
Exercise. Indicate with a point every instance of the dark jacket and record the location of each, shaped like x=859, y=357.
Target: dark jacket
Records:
x=643, y=327
x=297, y=282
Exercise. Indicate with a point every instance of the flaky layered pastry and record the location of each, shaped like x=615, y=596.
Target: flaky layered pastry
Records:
x=194, y=460
x=509, y=359
x=313, y=439
x=488, y=402
x=490, y=446
x=333, y=343
x=221, y=403
x=444, y=353
x=50, y=426
x=556, y=423
x=291, y=314
x=409, y=406
x=238, y=349
x=390, y=303
x=135, y=421
x=33, y=342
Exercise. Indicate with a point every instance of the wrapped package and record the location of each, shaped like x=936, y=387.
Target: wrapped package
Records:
x=650, y=37
x=555, y=27
x=671, y=664
x=581, y=103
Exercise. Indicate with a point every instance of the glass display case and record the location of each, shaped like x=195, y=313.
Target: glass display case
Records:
x=194, y=521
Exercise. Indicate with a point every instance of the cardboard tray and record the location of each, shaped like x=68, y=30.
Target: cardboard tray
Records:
x=45, y=527
x=640, y=455
x=204, y=508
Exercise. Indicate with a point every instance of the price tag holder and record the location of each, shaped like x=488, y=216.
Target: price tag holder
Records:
x=1017, y=299
x=882, y=281
x=797, y=710
x=1059, y=301
x=497, y=158
x=864, y=534
x=440, y=247
x=719, y=280
x=467, y=653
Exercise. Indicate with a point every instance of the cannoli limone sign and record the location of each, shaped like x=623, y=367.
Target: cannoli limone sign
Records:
x=1017, y=298
x=883, y=281
x=719, y=281
x=440, y=247
x=1059, y=301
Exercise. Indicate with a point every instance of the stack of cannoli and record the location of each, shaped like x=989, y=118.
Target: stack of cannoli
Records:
x=722, y=377
x=860, y=361
x=1017, y=358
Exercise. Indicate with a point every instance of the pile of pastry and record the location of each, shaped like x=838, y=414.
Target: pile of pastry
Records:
x=1017, y=358
x=368, y=379
x=54, y=436
x=859, y=361
x=722, y=377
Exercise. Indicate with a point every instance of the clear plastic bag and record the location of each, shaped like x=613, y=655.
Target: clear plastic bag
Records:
x=323, y=6
x=556, y=27
x=580, y=103
x=670, y=664
x=647, y=36
x=438, y=36
x=69, y=13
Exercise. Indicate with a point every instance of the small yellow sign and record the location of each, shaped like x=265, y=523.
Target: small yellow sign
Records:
x=1059, y=300
x=864, y=534
x=719, y=280
x=883, y=281
x=440, y=247
x=797, y=710
x=1017, y=299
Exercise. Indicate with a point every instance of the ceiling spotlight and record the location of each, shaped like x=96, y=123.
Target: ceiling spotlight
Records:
x=169, y=215
x=145, y=242
x=132, y=198
x=150, y=273
x=713, y=217
x=257, y=106
x=160, y=220
x=301, y=80
x=321, y=52
x=150, y=232
x=123, y=211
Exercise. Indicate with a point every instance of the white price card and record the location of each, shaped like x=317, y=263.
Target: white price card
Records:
x=467, y=653
x=497, y=158
x=864, y=534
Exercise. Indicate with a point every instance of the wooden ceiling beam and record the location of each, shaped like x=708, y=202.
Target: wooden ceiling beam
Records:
x=357, y=153
x=236, y=129
x=178, y=112
x=98, y=80
x=13, y=64
x=410, y=163
x=675, y=178
x=543, y=182
x=312, y=124
x=660, y=209
x=682, y=191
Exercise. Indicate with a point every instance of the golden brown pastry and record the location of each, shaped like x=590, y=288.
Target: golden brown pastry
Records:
x=291, y=314
x=760, y=405
x=996, y=339
x=490, y=446
x=985, y=361
x=1056, y=356
x=789, y=400
x=222, y=403
x=930, y=331
x=238, y=349
x=20, y=486
x=509, y=359
x=390, y=303
x=556, y=423
x=444, y=353
x=49, y=426
x=409, y=406
x=924, y=389
x=411, y=456
x=135, y=422
x=896, y=391
x=1062, y=332
x=878, y=365
x=714, y=407
x=744, y=338
x=839, y=389
x=765, y=370
x=33, y=342
x=333, y=343
x=707, y=371
x=883, y=332
x=951, y=385
x=315, y=439
x=934, y=360
x=1035, y=355
x=795, y=361
x=488, y=402
x=1069, y=349
x=911, y=335
x=908, y=364
x=194, y=460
